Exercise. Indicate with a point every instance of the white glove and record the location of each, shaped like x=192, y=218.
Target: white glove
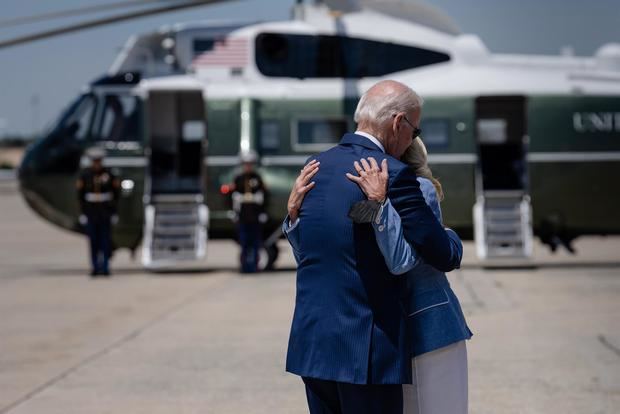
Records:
x=83, y=220
x=114, y=219
x=262, y=218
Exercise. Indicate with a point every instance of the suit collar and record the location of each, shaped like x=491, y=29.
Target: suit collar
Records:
x=354, y=139
x=372, y=138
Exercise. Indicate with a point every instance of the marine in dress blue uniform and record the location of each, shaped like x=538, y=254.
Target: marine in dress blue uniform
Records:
x=98, y=192
x=249, y=198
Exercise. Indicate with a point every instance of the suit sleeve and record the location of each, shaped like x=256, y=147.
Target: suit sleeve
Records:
x=399, y=256
x=430, y=195
x=457, y=244
x=291, y=231
x=420, y=226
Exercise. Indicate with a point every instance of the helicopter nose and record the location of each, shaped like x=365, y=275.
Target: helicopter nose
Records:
x=27, y=168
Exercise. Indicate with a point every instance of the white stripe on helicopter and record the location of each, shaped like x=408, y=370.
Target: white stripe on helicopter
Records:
x=461, y=158
x=573, y=156
x=293, y=160
x=117, y=162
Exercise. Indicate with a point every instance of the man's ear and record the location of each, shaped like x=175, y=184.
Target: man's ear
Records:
x=395, y=127
x=396, y=123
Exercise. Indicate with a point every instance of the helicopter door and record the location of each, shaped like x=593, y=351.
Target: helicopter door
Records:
x=502, y=213
x=177, y=131
x=176, y=215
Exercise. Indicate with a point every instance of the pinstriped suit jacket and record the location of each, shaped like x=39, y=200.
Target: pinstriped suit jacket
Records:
x=435, y=317
x=348, y=325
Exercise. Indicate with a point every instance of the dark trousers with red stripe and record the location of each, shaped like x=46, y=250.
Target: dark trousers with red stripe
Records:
x=99, y=235
x=250, y=238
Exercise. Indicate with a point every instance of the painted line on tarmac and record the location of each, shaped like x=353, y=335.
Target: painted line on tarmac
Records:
x=605, y=342
x=471, y=291
x=117, y=344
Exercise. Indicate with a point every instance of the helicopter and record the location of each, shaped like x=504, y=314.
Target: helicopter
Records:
x=516, y=140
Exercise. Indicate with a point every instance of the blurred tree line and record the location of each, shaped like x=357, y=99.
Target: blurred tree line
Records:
x=11, y=150
x=15, y=141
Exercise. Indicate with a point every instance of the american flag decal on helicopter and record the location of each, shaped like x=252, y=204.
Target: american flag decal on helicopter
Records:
x=221, y=52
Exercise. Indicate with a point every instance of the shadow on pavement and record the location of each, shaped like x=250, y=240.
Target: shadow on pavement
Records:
x=612, y=264
x=122, y=272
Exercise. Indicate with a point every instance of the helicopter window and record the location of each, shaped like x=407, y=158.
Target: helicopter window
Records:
x=435, y=132
x=193, y=131
x=272, y=54
x=203, y=45
x=77, y=124
x=119, y=121
x=275, y=47
x=269, y=136
x=316, y=134
x=310, y=56
x=492, y=131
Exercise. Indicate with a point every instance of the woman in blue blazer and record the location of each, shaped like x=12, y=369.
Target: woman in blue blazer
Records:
x=436, y=322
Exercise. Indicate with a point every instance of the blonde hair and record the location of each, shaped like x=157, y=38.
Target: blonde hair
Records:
x=416, y=157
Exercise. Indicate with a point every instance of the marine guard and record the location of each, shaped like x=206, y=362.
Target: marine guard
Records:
x=98, y=192
x=249, y=196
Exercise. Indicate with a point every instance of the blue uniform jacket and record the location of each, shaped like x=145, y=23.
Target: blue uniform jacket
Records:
x=435, y=318
x=348, y=324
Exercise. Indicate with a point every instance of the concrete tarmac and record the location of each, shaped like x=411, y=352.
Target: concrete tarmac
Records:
x=547, y=340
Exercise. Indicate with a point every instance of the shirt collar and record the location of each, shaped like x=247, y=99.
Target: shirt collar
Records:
x=373, y=139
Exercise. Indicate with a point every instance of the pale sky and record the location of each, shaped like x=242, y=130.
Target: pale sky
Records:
x=52, y=72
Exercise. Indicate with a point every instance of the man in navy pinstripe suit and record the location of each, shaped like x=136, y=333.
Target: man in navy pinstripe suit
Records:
x=348, y=339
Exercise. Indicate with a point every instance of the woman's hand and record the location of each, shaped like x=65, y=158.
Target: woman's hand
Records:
x=301, y=187
x=372, y=179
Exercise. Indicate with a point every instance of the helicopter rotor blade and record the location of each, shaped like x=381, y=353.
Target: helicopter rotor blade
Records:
x=78, y=11
x=105, y=21
x=343, y=5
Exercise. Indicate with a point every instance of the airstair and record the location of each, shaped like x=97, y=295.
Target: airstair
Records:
x=175, y=213
x=502, y=212
x=175, y=230
x=502, y=225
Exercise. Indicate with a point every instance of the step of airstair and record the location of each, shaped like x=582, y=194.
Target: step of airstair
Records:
x=175, y=230
x=502, y=224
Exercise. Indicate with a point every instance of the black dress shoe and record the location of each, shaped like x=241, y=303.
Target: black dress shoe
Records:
x=94, y=273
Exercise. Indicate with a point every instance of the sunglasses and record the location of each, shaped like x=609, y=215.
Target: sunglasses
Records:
x=416, y=131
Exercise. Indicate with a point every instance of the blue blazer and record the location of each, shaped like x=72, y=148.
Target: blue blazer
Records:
x=348, y=324
x=435, y=317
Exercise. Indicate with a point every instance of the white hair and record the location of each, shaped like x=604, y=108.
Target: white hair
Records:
x=377, y=109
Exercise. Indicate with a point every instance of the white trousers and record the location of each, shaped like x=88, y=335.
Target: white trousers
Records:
x=439, y=382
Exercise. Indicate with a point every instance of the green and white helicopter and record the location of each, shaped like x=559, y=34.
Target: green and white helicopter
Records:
x=523, y=144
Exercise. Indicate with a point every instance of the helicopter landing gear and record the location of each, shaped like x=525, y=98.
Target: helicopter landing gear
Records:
x=554, y=234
